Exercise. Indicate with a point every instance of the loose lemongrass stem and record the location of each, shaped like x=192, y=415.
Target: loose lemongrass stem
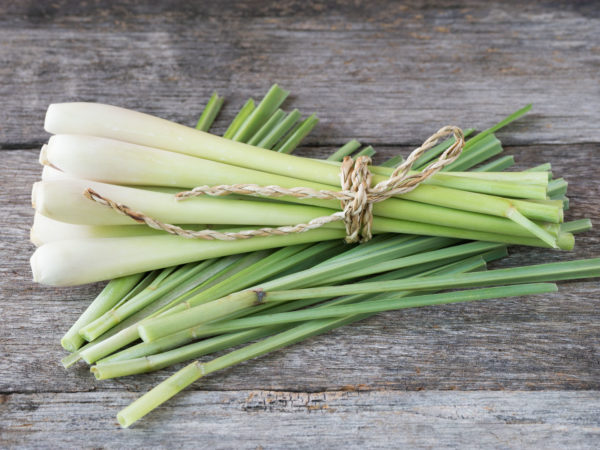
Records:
x=275, y=119
x=268, y=105
x=239, y=119
x=497, y=165
x=210, y=112
x=345, y=150
x=112, y=293
x=276, y=133
x=291, y=142
x=158, y=327
x=196, y=370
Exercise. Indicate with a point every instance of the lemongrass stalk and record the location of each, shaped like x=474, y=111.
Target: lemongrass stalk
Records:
x=188, y=313
x=267, y=127
x=119, y=362
x=277, y=132
x=167, y=280
x=126, y=332
x=50, y=173
x=128, y=335
x=196, y=370
x=291, y=142
x=394, y=161
x=103, y=160
x=391, y=303
x=95, y=162
x=399, y=245
x=63, y=200
x=478, y=152
x=345, y=150
x=210, y=112
x=79, y=261
x=239, y=119
x=432, y=153
x=546, y=167
x=510, y=118
x=497, y=165
x=557, y=187
x=158, y=327
x=367, y=151
x=114, y=291
x=46, y=230
x=125, y=125
x=252, y=268
x=577, y=226
x=175, y=340
x=268, y=105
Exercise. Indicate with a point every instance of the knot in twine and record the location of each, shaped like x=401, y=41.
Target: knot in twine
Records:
x=356, y=197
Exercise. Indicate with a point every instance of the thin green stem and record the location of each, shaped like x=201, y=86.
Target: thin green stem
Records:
x=210, y=112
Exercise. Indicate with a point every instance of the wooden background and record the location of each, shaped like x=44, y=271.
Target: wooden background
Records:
x=513, y=373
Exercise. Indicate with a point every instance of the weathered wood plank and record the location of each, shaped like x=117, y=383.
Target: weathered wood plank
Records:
x=346, y=419
x=534, y=343
x=384, y=73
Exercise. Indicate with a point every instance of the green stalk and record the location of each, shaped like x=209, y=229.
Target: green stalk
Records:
x=210, y=112
x=269, y=104
x=392, y=303
x=478, y=152
x=557, y=187
x=497, y=165
x=196, y=370
x=367, y=151
x=345, y=150
x=432, y=153
x=112, y=293
x=239, y=119
x=158, y=327
x=295, y=137
x=121, y=360
x=576, y=226
x=276, y=133
x=275, y=119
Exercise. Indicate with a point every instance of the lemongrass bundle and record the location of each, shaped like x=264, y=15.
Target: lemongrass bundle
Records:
x=190, y=309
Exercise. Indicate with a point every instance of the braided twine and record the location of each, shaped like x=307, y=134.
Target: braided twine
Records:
x=356, y=197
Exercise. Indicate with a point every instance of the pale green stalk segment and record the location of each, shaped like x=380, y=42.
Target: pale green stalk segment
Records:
x=577, y=226
x=112, y=293
x=267, y=127
x=345, y=150
x=546, y=167
x=210, y=112
x=269, y=104
x=497, y=165
x=367, y=151
x=239, y=119
x=277, y=132
x=536, y=230
x=293, y=140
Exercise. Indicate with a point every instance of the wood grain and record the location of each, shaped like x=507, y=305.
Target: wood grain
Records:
x=338, y=419
x=384, y=73
x=514, y=373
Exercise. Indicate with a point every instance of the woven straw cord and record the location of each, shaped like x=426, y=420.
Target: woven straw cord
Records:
x=356, y=197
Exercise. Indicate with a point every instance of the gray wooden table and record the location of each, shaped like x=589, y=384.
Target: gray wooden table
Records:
x=513, y=373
